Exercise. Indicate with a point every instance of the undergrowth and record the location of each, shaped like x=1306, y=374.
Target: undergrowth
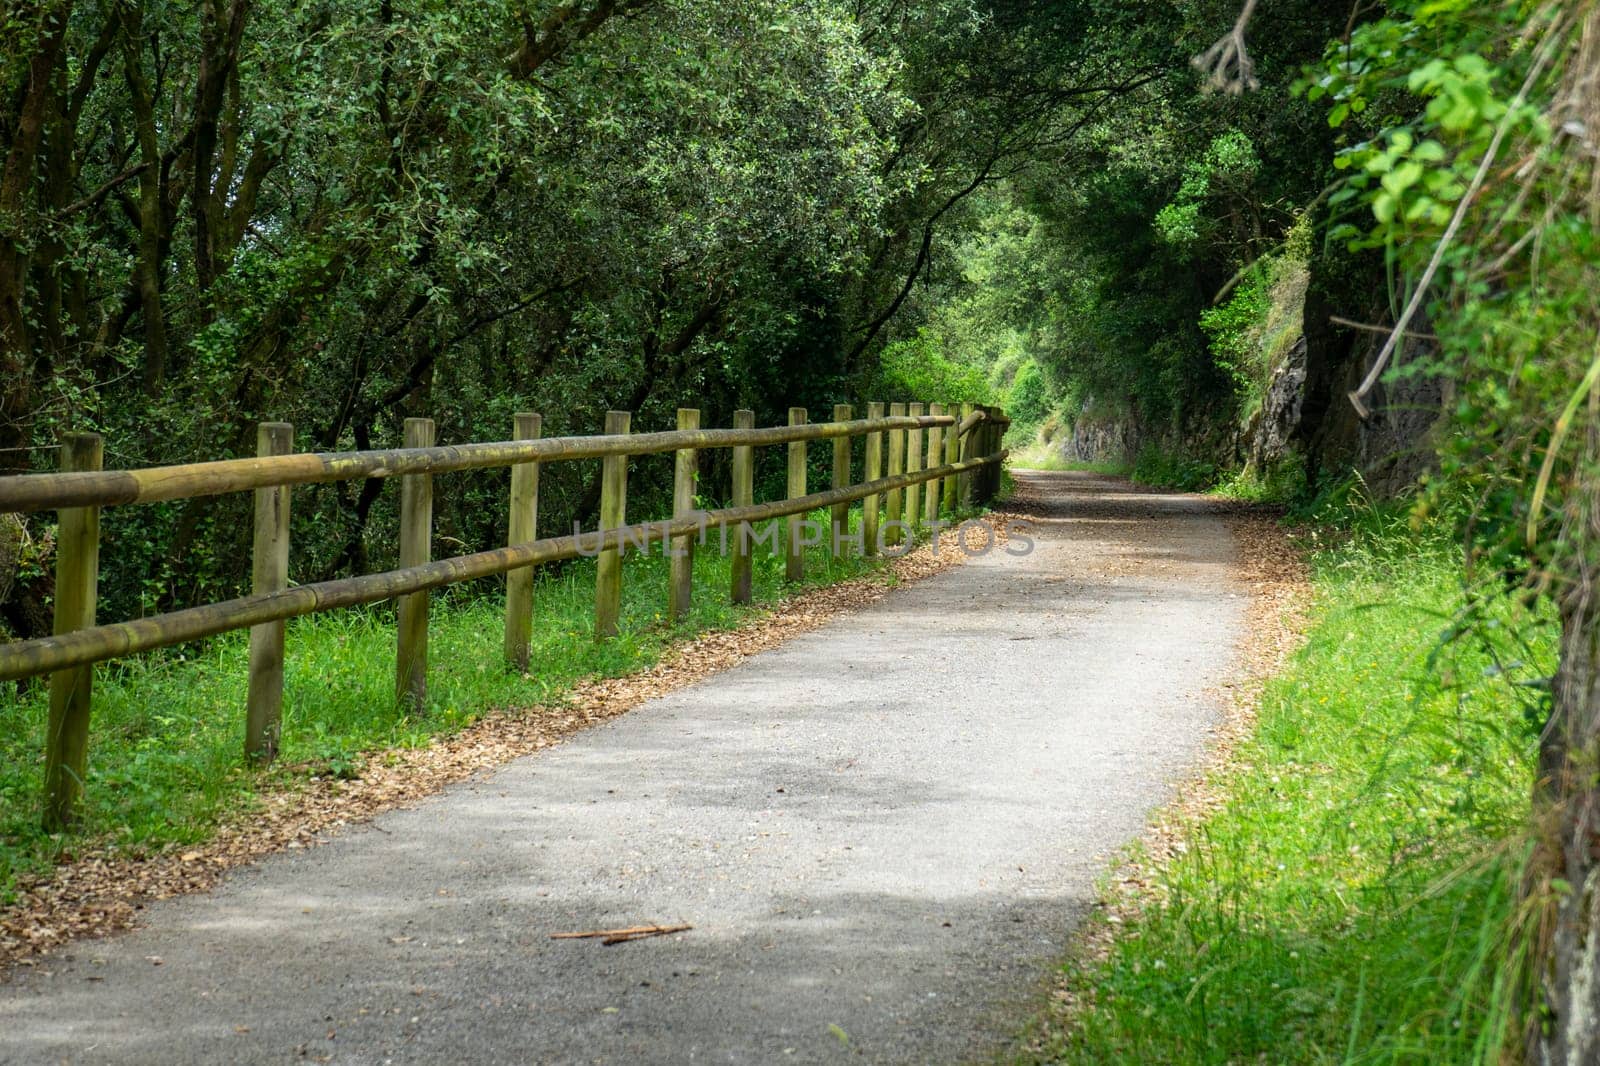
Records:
x=1282, y=482
x=1165, y=469
x=168, y=729
x=1350, y=900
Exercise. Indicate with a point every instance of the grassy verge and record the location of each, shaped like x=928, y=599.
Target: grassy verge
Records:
x=1283, y=482
x=168, y=730
x=1348, y=899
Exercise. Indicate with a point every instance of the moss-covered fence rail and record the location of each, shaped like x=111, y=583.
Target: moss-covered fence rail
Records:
x=955, y=451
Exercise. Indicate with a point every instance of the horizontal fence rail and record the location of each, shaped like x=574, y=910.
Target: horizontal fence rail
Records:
x=30, y=658
x=962, y=469
x=159, y=484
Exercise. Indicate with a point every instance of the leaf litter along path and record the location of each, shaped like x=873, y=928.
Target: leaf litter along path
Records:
x=102, y=890
x=883, y=832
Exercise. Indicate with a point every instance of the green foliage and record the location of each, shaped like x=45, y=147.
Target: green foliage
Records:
x=919, y=368
x=1282, y=482
x=1226, y=172
x=1036, y=458
x=1162, y=468
x=415, y=208
x=1468, y=90
x=1099, y=264
x=1418, y=167
x=1252, y=331
x=1028, y=401
x=1232, y=325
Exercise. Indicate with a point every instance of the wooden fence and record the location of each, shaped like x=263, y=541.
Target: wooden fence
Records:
x=955, y=451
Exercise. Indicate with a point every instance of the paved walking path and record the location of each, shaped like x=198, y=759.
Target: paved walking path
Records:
x=882, y=832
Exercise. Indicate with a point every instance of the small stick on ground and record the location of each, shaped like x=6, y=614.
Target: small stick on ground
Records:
x=622, y=936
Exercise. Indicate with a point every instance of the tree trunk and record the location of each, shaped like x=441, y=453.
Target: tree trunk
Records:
x=24, y=114
x=1568, y=1033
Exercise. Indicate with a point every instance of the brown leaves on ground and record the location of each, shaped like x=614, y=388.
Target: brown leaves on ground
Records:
x=102, y=890
x=1273, y=568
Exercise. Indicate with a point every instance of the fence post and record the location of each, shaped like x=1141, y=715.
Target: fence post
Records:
x=913, y=513
x=969, y=451
x=842, y=412
x=522, y=528
x=983, y=488
x=613, y=513
x=743, y=496
x=1000, y=428
x=935, y=458
x=66, y=758
x=984, y=447
x=872, y=472
x=794, y=562
x=270, y=573
x=952, y=454
x=897, y=466
x=681, y=591
x=416, y=548
x=991, y=444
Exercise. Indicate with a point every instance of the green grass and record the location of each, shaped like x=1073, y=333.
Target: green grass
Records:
x=1349, y=902
x=168, y=730
x=1283, y=482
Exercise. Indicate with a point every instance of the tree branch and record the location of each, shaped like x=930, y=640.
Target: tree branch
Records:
x=565, y=26
x=1226, y=64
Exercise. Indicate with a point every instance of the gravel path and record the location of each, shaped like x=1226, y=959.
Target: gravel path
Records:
x=882, y=832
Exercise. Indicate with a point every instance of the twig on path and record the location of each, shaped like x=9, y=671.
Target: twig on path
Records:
x=622, y=936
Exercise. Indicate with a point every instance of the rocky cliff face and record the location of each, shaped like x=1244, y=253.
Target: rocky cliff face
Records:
x=1396, y=444
x=1304, y=412
x=1267, y=435
x=1389, y=449
x=1100, y=440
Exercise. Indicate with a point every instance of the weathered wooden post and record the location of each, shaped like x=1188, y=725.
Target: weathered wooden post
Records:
x=794, y=560
x=969, y=450
x=897, y=466
x=416, y=548
x=613, y=514
x=985, y=437
x=975, y=493
x=952, y=454
x=991, y=444
x=914, y=466
x=66, y=753
x=682, y=548
x=744, y=495
x=872, y=472
x=841, y=478
x=263, y=718
x=935, y=458
x=522, y=528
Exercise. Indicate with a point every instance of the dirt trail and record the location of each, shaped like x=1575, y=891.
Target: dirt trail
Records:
x=882, y=833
